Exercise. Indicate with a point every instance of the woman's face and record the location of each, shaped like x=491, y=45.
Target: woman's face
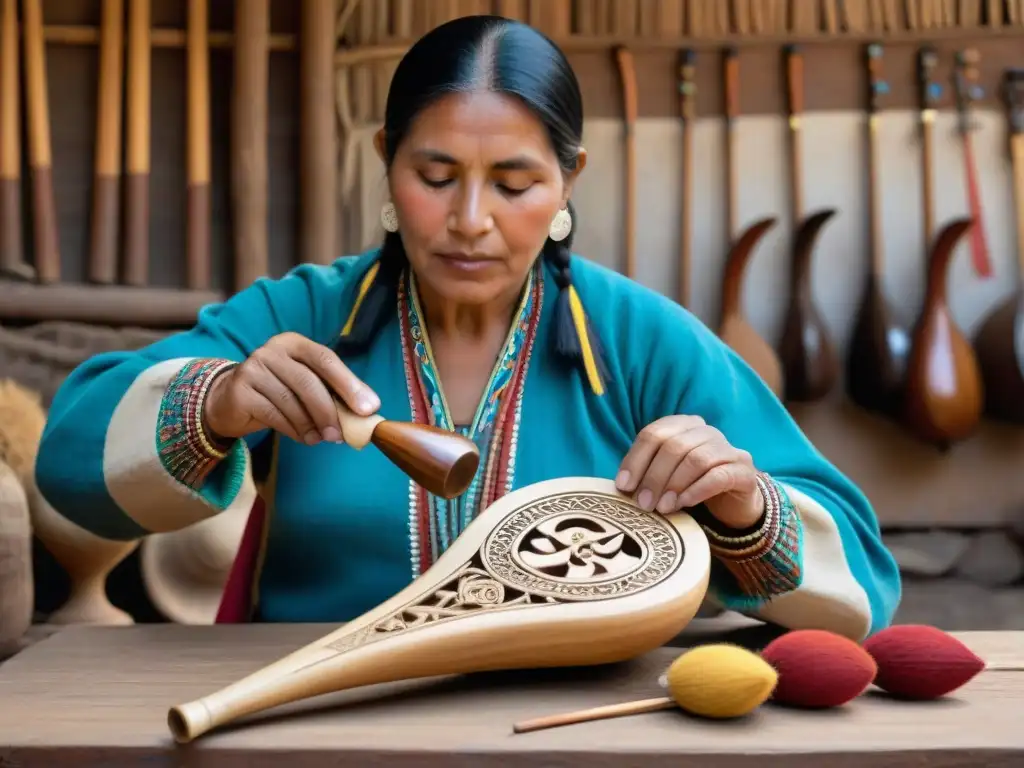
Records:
x=475, y=184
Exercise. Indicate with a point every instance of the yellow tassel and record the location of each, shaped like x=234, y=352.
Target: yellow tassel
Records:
x=720, y=681
x=368, y=279
x=580, y=321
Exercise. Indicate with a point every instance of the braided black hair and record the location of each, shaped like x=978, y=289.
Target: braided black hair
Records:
x=503, y=56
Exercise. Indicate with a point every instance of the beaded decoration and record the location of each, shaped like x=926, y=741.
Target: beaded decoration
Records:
x=186, y=451
x=434, y=523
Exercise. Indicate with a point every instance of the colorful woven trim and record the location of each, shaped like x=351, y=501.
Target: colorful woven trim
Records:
x=765, y=560
x=434, y=523
x=186, y=451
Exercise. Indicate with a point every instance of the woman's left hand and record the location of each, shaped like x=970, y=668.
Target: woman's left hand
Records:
x=680, y=461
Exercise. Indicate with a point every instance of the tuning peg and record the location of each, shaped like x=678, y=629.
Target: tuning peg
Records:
x=881, y=87
x=934, y=91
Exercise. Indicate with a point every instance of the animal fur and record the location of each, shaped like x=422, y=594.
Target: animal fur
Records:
x=22, y=418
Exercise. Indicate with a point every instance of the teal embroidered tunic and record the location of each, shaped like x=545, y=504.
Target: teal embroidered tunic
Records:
x=123, y=454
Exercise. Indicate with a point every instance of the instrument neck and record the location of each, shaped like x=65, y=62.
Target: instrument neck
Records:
x=1017, y=158
x=927, y=173
x=874, y=203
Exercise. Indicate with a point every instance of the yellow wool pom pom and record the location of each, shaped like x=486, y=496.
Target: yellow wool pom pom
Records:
x=720, y=681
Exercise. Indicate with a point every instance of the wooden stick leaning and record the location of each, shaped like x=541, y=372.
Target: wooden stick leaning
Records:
x=106, y=192
x=533, y=573
x=197, y=227
x=137, y=145
x=12, y=256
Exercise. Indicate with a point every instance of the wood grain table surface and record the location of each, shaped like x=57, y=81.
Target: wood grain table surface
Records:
x=99, y=697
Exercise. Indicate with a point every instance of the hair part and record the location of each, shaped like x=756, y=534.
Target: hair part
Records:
x=498, y=55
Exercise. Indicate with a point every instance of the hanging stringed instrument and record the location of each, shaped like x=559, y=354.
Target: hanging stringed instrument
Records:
x=944, y=398
x=809, y=364
x=877, y=357
x=627, y=75
x=566, y=572
x=734, y=329
x=999, y=341
x=944, y=395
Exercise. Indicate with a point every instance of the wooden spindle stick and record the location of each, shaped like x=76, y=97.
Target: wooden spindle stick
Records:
x=136, y=204
x=44, y=207
x=106, y=194
x=249, y=141
x=596, y=713
x=318, y=146
x=12, y=259
x=443, y=462
x=198, y=192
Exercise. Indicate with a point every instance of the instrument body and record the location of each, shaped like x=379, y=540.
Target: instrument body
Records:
x=809, y=362
x=944, y=397
x=999, y=341
x=877, y=356
x=566, y=572
x=734, y=328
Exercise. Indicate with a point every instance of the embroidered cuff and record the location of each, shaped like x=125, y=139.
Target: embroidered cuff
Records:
x=764, y=559
x=186, y=450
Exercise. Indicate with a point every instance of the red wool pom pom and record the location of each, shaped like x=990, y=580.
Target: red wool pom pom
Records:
x=818, y=669
x=916, y=661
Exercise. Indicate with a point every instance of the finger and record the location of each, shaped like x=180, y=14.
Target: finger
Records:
x=702, y=458
x=312, y=393
x=264, y=411
x=640, y=454
x=338, y=377
x=718, y=479
x=287, y=402
x=698, y=446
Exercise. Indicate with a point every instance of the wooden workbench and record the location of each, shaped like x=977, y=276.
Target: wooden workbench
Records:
x=100, y=697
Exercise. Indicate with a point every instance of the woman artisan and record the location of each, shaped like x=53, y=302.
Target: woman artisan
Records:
x=472, y=315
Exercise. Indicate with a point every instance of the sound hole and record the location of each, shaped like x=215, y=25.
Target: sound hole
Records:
x=580, y=548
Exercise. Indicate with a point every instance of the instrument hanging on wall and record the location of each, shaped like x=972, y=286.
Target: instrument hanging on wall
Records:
x=627, y=75
x=566, y=572
x=999, y=341
x=944, y=397
x=12, y=252
x=877, y=358
x=688, y=111
x=809, y=363
x=734, y=329
x=967, y=91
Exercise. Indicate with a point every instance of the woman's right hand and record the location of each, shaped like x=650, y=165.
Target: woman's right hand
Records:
x=286, y=385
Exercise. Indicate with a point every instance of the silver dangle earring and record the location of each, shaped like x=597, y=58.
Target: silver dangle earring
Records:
x=561, y=225
x=389, y=217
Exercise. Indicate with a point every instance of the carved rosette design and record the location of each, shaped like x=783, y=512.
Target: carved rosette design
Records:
x=566, y=548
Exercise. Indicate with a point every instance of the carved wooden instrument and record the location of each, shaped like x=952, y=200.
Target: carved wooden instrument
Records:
x=249, y=141
x=967, y=90
x=687, y=109
x=566, y=572
x=999, y=341
x=12, y=255
x=944, y=397
x=136, y=203
x=197, y=238
x=106, y=192
x=929, y=92
x=877, y=358
x=809, y=363
x=40, y=157
x=733, y=328
x=443, y=462
x=627, y=74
